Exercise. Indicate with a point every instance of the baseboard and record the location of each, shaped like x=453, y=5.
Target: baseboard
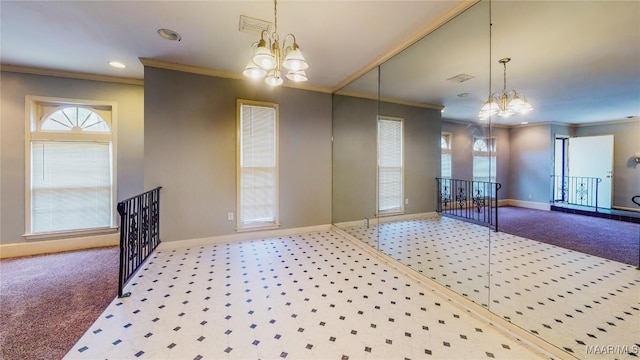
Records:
x=385, y=219
x=625, y=208
x=529, y=204
x=504, y=202
x=224, y=239
x=60, y=245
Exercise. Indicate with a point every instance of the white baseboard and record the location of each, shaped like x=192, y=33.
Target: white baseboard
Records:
x=385, y=219
x=60, y=245
x=224, y=239
x=625, y=208
x=504, y=202
x=529, y=204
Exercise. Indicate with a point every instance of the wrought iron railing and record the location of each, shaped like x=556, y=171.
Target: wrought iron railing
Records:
x=575, y=190
x=467, y=199
x=139, y=233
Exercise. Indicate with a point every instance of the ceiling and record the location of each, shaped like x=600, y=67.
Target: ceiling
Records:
x=577, y=62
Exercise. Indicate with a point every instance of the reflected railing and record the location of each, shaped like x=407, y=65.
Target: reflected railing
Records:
x=468, y=199
x=575, y=190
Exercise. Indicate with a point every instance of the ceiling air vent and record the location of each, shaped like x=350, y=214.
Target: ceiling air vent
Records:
x=460, y=78
x=252, y=25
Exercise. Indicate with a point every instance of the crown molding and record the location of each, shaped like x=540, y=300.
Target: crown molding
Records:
x=222, y=74
x=612, y=122
x=476, y=123
x=390, y=100
x=410, y=40
x=70, y=74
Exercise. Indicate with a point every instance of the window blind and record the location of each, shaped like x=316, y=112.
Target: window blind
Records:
x=257, y=165
x=445, y=163
x=70, y=185
x=390, y=166
x=484, y=168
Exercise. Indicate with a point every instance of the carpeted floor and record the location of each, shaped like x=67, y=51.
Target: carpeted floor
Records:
x=47, y=302
x=610, y=239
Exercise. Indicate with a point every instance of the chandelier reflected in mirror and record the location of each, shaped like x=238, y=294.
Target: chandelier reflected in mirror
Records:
x=507, y=103
x=269, y=62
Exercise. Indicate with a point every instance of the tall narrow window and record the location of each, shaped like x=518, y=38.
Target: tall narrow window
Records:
x=257, y=165
x=484, y=159
x=390, y=166
x=445, y=161
x=71, y=168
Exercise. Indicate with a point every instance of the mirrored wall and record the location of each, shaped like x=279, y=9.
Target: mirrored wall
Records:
x=407, y=126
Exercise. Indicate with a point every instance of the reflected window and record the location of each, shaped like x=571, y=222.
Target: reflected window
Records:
x=390, y=166
x=484, y=159
x=445, y=161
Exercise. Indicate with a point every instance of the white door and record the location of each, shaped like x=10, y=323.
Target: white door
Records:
x=590, y=157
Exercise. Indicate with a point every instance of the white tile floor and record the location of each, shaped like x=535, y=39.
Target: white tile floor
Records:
x=311, y=296
x=568, y=298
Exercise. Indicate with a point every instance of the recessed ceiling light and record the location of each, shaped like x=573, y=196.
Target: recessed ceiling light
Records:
x=117, y=64
x=524, y=123
x=169, y=34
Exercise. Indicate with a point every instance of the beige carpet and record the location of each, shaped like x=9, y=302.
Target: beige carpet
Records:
x=48, y=302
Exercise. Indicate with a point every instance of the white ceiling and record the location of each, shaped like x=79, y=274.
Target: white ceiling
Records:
x=577, y=62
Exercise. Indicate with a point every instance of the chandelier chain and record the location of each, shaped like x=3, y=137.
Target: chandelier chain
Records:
x=275, y=16
x=504, y=83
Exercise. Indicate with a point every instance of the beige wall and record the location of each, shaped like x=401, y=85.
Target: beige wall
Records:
x=531, y=163
x=626, y=142
x=15, y=87
x=190, y=150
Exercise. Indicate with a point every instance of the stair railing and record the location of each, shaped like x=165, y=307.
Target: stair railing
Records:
x=139, y=233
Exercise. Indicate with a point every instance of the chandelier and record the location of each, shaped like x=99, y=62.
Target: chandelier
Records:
x=268, y=62
x=505, y=104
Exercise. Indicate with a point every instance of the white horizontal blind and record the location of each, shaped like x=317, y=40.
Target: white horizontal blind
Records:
x=70, y=185
x=390, y=166
x=445, y=171
x=445, y=161
x=258, y=160
x=484, y=168
x=484, y=160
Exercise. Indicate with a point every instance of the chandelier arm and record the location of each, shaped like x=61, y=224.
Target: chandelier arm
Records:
x=265, y=34
x=293, y=46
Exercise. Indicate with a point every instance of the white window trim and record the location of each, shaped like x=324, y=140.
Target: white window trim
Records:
x=256, y=226
x=401, y=211
x=32, y=116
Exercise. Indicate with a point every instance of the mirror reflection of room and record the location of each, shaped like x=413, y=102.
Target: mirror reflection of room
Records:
x=514, y=189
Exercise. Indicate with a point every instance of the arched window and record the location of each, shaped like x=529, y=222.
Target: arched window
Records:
x=74, y=118
x=71, y=175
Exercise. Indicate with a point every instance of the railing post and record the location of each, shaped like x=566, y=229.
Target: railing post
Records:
x=598, y=181
x=439, y=195
x=498, y=187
